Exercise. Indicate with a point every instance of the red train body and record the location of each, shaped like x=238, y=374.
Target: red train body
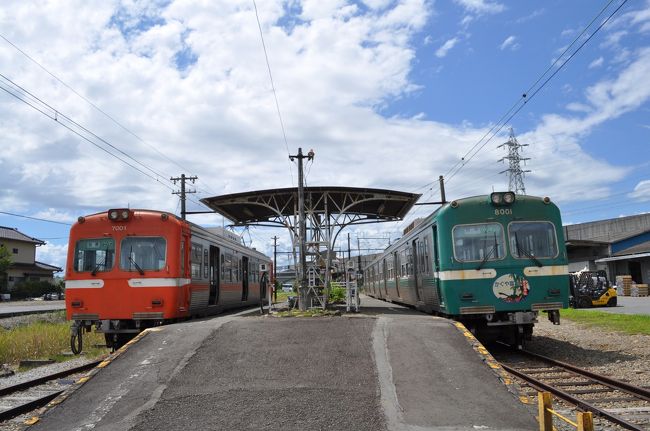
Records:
x=132, y=269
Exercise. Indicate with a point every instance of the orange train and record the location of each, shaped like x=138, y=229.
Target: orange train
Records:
x=129, y=270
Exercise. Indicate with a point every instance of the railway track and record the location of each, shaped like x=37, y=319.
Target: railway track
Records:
x=27, y=396
x=611, y=400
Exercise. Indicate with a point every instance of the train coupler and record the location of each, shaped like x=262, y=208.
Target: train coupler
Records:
x=554, y=316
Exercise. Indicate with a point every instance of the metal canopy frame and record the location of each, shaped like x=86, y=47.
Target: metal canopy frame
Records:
x=328, y=211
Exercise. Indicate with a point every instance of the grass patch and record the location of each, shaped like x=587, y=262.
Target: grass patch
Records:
x=314, y=312
x=44, y=340
x=626, y=323
x=282, y=296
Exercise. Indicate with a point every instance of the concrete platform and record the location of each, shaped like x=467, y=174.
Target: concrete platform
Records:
x=387, y=369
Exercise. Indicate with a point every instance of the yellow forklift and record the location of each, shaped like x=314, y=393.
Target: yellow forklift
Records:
x=591, y=289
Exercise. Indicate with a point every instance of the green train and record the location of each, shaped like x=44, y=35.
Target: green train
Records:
x=492, y=262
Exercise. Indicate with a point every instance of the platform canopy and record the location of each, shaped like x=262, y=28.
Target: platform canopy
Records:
x=349, y=205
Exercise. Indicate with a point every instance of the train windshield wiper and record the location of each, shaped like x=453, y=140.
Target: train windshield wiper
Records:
x=489, y=253
x=140, y=270
x=102, y=263
x=527, y=253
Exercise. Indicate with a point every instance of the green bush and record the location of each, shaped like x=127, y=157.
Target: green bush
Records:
x=337, y=294
x=32, y=289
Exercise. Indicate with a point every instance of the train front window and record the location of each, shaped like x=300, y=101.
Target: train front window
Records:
x=532, y=239
x=478, y=242
x=94, y=255
x=142, y=253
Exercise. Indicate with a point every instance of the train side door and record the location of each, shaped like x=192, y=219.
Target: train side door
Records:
x=435, y=265
x=214, y=275
x=244, y=281
x=384, y=273
x=397, y=272
x=417, y=271
x=183, y=289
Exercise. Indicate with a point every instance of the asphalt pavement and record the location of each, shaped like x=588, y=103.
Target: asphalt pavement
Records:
x=627, y=305
x=17, y=308
x=388, y=368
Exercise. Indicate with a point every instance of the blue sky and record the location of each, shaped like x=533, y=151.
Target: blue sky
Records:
x=407, y=85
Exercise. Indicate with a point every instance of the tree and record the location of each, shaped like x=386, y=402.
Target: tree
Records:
x=5, y=263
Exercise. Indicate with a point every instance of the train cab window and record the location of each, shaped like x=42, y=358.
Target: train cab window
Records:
x=537, y=239
x=477, y=242
x=142, y=253
x=94, y=255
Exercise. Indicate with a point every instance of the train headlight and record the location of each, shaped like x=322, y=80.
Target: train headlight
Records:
x=496, y=198
x=509, y=198
x=120, y=214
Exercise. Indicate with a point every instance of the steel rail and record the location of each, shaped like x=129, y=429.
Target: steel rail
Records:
x=36, y=382
x=629, y=388
x=28, y=407
x=539, y=385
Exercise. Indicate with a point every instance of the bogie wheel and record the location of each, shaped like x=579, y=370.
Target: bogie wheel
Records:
x=76, y=341
x=612, y=302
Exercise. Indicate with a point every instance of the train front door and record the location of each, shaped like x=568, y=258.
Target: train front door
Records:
x=244, y=281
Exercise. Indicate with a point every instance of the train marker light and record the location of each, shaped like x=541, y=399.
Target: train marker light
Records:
x=454, y=204
x=81, y=219
x=547, y=200
x=164, y=216
x=509, y=198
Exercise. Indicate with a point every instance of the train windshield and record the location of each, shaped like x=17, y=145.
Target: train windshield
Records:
x=532, y=239
x=142, y=253
x=94, y=255
x=478, y=242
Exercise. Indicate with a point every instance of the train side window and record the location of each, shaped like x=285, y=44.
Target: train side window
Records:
x=223, y=266
x=227, y=267
x=196, y=260
x=205, y=262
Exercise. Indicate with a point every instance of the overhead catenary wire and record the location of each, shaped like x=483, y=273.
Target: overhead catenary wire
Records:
x=275, y=95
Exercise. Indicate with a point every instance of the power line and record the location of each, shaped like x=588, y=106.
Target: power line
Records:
x=275, y=95
x=44, y=108
x=107, y=115
x=35, y=218
x=526, y=97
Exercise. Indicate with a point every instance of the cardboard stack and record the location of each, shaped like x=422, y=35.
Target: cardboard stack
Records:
x=642, y=290
x=624, y=285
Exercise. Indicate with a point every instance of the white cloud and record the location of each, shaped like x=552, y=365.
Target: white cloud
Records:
x=509, y=43
x=446, y=47
x=481, y=6
x=641, y=191
x=52, y=254
x=596, y=63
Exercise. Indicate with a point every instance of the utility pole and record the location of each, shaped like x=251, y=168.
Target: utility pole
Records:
x=515, y=173
x=275, y=266
x=183, y=191
x=302, y=229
